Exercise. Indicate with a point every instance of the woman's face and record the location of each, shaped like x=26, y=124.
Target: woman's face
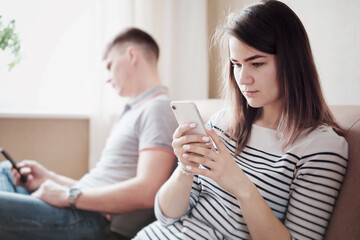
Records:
x=255, y=74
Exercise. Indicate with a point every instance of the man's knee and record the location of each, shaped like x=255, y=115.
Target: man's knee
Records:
x=5, y=165
x=6, y=183
x=6, y=180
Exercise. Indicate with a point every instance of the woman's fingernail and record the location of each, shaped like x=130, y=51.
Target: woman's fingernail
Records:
x=208, y=127
x=205, y=139
x=186, y=147
x=188, y=167
x=185, y=155
x=192, y=125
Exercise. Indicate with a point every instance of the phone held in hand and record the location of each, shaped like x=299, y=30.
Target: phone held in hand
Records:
x=7, y=156
x=186, y=112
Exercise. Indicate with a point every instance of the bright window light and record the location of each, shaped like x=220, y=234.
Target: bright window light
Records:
x=56, y=72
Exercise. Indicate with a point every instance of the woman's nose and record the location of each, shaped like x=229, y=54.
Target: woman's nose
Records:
x=244, y=77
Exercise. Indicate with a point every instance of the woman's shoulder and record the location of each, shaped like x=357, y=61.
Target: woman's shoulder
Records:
x=218, y=119
x=326, y=134
x=323, y=139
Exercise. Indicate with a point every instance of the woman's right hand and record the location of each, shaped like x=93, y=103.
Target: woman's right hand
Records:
x=180, y=139
x=36, y=174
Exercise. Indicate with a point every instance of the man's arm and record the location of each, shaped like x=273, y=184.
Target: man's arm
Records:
x=154, y=168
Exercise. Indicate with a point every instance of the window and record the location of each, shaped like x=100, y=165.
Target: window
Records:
x=61, y=48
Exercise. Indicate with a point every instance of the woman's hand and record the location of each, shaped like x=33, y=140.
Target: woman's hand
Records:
x=223, y=168
x=180, y=140
x=36, y=174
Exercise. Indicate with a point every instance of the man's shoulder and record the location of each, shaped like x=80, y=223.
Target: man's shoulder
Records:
x=158, y=104
x=156, y=110
x=159, y=101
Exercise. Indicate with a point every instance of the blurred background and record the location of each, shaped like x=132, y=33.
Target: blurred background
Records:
x=55, y=106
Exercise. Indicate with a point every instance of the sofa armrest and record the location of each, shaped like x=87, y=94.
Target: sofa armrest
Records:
x=345, y=221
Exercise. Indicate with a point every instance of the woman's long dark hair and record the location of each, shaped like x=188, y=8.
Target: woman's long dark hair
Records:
x=273, y=28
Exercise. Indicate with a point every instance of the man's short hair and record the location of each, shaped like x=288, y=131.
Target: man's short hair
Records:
x=137, y=36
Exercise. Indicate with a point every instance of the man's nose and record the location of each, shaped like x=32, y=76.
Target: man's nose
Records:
x=109, y=77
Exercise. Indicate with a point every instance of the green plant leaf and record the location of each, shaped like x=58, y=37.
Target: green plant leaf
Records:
x=10, y=42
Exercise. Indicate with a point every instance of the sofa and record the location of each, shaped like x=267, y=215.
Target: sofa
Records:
x=345, y=221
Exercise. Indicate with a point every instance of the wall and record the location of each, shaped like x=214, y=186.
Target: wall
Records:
x=216, y=12
x=180, y=27
x=334, y=35
x=59, y=144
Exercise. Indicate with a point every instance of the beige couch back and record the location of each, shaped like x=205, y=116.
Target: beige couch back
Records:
x=345, y=222
x=60, y=144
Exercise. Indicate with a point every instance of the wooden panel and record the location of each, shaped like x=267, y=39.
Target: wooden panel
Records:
x=61, y=145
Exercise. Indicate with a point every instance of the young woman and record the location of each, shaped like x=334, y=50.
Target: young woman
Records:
x=280, y=158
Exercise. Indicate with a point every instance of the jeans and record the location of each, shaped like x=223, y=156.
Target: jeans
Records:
x=25, y=217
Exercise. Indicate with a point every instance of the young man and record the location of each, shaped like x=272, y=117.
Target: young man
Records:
x=117, y=196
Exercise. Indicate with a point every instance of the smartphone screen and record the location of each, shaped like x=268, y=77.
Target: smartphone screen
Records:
x=7, y=156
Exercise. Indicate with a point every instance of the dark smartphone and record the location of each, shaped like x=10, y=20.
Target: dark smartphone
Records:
x=7, y=156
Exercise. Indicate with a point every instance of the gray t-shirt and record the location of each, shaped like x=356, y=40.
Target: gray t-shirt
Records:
x=146, y=123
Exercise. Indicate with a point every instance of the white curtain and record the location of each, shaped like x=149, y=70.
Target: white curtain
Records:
x=181, y=30
x=179, y=27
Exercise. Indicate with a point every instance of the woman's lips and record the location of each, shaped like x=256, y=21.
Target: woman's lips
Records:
x=250, y=93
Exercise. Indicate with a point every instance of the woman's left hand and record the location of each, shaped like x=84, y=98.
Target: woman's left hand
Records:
x=223, y=168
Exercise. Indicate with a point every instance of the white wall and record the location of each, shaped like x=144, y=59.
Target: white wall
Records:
x=334, y=33
x=180, y=28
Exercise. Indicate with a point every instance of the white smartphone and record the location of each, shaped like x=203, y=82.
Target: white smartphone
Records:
x=187, y=112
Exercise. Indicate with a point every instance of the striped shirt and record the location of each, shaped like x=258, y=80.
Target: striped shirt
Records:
x=300, y=184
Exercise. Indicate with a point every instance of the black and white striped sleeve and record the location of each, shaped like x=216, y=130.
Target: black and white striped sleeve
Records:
x=195, y=191
x=318, y=178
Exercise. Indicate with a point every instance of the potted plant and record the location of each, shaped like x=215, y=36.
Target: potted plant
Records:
x=9, y=44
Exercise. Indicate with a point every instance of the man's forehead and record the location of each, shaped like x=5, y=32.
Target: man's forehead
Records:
x=113, y=52
x=120, y=47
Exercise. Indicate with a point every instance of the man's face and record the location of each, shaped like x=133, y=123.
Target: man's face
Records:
x=118, y=65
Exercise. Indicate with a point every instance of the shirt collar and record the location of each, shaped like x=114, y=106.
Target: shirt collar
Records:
x=147, y=95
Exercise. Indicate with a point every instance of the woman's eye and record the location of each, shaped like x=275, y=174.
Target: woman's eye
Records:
x=258, y=64
x=236, y=65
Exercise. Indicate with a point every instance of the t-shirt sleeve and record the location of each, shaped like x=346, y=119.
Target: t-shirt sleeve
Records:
x=318, y=178
x=156, y=126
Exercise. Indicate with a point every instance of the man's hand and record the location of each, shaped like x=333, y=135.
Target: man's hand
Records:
x=53, y=194
x=35, y=172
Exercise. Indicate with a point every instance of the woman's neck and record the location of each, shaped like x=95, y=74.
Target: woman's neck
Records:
x=269, y=116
